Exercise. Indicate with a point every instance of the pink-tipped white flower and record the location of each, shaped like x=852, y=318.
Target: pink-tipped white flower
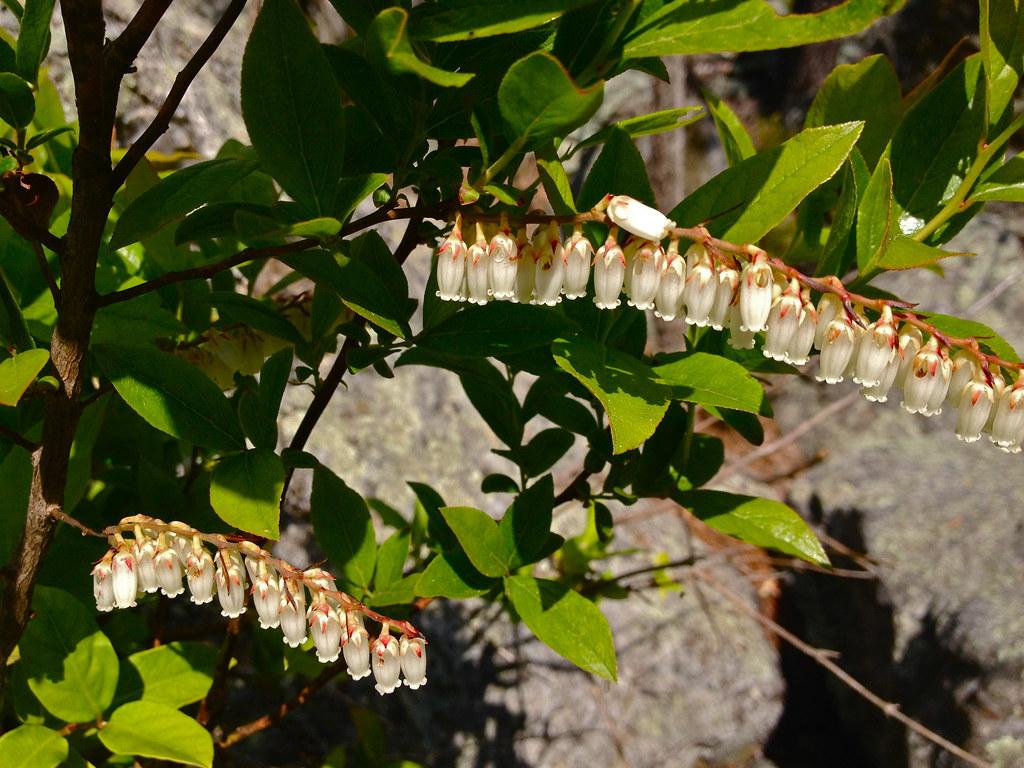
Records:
x=145, y=559
x=638, y=219
x=908, y=345
x=550, y=266
x=168, y=571
x=230, y=575
x=526, y=270
x=701, y=287
x=181, y=543
x=829, y=308
x=975, y=404
x=124, y=574
x=783, y=323
x=836, y=350
x=386, y=662
x=103, y=584
x=199, y=572
x=756, y=284
x=451, y=266
x=669, y=301
x=503, y=262
x=924, y=378
x=941, y=385
x=478, y=269
x=576, y=256
x=998, y=387
x=1008, y=421
x=739, y=337
x=728, y=281
x=799, y=350
x=609, y=273
x=645, y=272
x=266, y=596
x=414, y=661
x=325, y=627
x=355, y=645
x=293, y=612
x=879, y=393
x=965, y=370
x=875, y=350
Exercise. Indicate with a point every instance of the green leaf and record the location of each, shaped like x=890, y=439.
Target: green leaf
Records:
x=34, y=37
x=391, y=558
x=399, y=593
x=71, y=666
x=261, y=315
x=868, y=90
x=555, y=180
x=544, y=450
x=148, y=729
x=746, y=201
x=876, y=223
x=141, y=319
x=833, y=258
x=18, y=372
x=685, y=27
x=907, y=253
x=17, y=104
x=761, y=522
x=171, y=395
x=344, y=530
x=175, y=197
x=732, y=133
x=33, y=746
x=495, y=329
x=631, y=393
x=498, y=483
x=651, y=124
x=45, y=136
x=539, y=100
x=292, y=106
x=566, y=622
x=706, y=379
x=1002, y=49
x=245, y=491
x=618, y=170
x=15, y=485
x=1006, y=183
x=480, y=539
x=527, y=522
x=174, y=674
x=472, y=19
x=273, y=382
x=451, y=575
x=389, y=48
x=957, y=327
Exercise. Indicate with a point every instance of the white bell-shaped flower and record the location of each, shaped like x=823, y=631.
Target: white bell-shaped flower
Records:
x=325, y=628
x=609, y=273
x=965, y=370
x=230, y=575
x=756, y=293
x=998, y=387
x=387, y=664
x=550, y=273
x=669, y=301
x=145, y=558
x=799, y=350
x=199, y=571
x=1008, y=422
x=451, y=266
x=266, y=596
x=645, y=275
x=879, y=393
x=908, y=344
x=830, y=307
x=168, y=571
x=503, y=261
x=124, y=574
x=577, y=255
x=923, y=378
x=318, y=578
x=638, y=219
x=103, y=584
x=526, y=271
x=944, y=375
x=293, y=612
x=355, y=645
x=875, y=350
x=701, y=287
x=182, y=544
x=728, y=281
x=783, y=323
x=836, y=350
x=478, y=265
x=414, y=661
x=739, y=336
x=976, y=400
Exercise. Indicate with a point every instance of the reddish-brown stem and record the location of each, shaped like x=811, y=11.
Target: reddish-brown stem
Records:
x=17, y=438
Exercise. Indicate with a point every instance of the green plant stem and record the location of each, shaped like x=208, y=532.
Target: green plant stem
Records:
x=494, y=168
x=960, y=199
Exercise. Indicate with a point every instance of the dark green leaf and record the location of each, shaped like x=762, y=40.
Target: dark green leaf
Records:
x=171, y=395
x=566, y=622
x=245, y=491
x=555, y=180
x=494, y=329
x=527, y=522
x=391, y=558
x=876, y=223
x=544, y=449
x=906, y=253
x=18, y=372
x=651, y=124
x=34, y=37
x=148, y=729
x=494, y=400
x=1002, y=48
x=480, y=539
x=17, y=104
x=343, y=528
x=630, y=392
x=959, y=328
x=401, y=592
x=33, y=746
x=832, y=260
x=707, y=379
x=292, y=106
x=45, y=136
x=471, y=19
x=174, y=674
x=498, y=483
x=618, y=170
x=273, y=382
x=260, y=315
x=451, y=575
x=732, y=133
x=746, y=424
x=141, y=320
x=389, y=48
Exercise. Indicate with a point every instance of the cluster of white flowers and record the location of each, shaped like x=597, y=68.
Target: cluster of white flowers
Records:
x=160, y=555
x=709, y=289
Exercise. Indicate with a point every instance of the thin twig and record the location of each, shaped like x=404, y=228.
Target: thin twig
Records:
x=162, y=121
x=57, y=514
x=51, y=282
x=824, y=658
x=17, y=438
x=211, y=703
x=122, y=51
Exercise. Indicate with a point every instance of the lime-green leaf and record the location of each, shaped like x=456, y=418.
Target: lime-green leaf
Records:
x=176, y=196
x=1006, y=183
x=245, y=491
x=527, y=522
x=291, y=104
x=837, y=253
x=472, y=19
x=746, y=201
x=16, y=373
x=761, y=522
x=71, y=666
x=17, y=104
x=343, y=528
x=34, y=37
x=732, y=133
x=495, y=329
x=566, y=622
x=451, y=575
x=1002, y=48
x=708, y=379
x=876, y=223
x=174, y=674
x=907, y=253
x=957, y=327
x=480, y=539
x=651, y=124
x=391, y=557
x=389, y=48
x=539, y=100
x=33, y=746
x=631, y=393
x=685, y=27
x=148, y=729
x=171, y=395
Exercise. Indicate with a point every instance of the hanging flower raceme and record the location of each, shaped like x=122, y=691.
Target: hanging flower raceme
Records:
x=334, y=620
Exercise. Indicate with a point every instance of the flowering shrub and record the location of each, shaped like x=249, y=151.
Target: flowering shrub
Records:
x=155, y=311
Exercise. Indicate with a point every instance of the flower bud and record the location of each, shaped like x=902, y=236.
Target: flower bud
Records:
x=451, y=266
x=387, y=664
x=503, y=263
x=576, y=256
x=756, y=284
x=645, y=273
x=875, y=350
x=836, y=350
x=103, y=584
x=550, y=266
x=739, y=337
x=199, y=572
x=923, y=379
x=1008, y=422
x=230, y=574
x=293, y=612
x=414, y=661
x=701, y=287
x=124, y=575
x=609, y=274
x=830, y=307
x=325, y=627
x=669, y=300
x=975, y=404
x=638, y=219
x=168, y=571
x=727, y=283
x=783, y=323
x=355, y=645
x=478, y=268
